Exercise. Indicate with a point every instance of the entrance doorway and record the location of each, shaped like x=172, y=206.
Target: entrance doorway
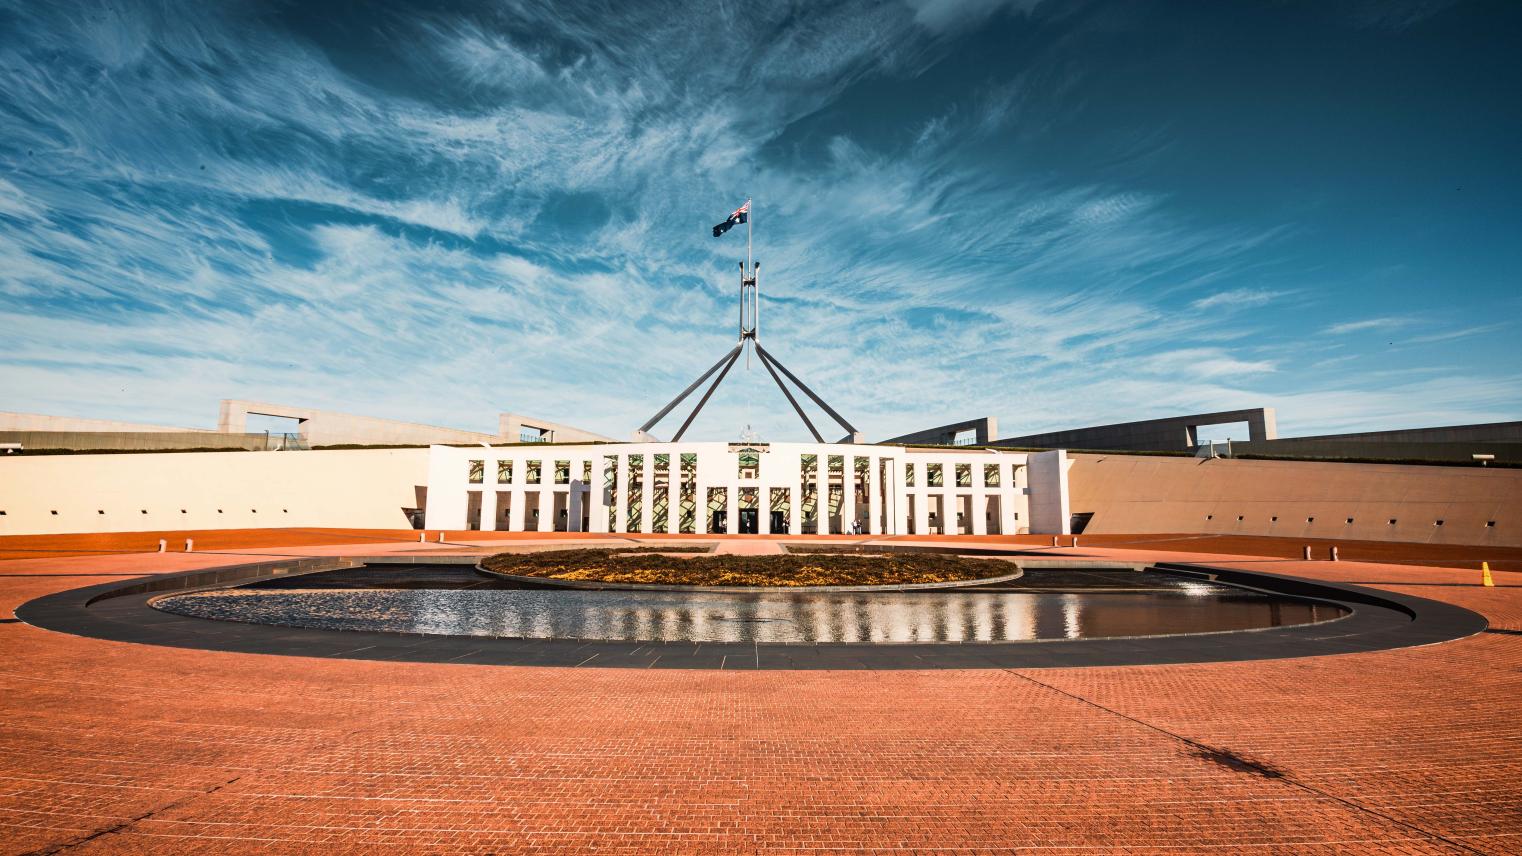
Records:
x=779, y=522
x=750, y=521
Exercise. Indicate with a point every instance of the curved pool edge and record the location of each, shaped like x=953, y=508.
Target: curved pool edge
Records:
x=1379, y=620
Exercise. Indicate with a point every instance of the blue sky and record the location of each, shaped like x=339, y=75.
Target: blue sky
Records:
x=1056, y=213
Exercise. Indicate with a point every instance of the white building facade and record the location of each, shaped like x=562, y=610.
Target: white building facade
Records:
x=746, y=488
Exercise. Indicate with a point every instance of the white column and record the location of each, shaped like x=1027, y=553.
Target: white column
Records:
x=875, y=489
x=731, y=511
x=547, y=497
x=980, y=512
x=647, y=491
x=574, y=504
x=700, y=518
x=491, y=511
x=847, y=493
x=795, y=506
x=598, y=515
x=515, y=508
x=621, y=494
x=675, y=495
x=822, y=493
x=764, y=511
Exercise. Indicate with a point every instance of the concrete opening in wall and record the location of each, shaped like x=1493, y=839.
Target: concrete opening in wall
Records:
x=531, y=511
x=1079, y=521
x=473, y=510
x=1204, y=435
x=282, y=431
x=993, y=516
x=562, y=512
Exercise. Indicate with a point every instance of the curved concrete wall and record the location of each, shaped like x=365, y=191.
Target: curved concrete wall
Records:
x=1141, y=494
x=361, y=488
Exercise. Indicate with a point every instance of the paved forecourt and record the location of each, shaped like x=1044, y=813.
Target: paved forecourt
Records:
x=115, y=747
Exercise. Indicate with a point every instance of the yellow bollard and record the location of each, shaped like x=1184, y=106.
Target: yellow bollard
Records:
x=1485, y=579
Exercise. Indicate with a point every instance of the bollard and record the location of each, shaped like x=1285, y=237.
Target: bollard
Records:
x=1307, y=552
x=163, y=545
x=1334, y=553
x=1075, y=540
x=1485, y=578
x=441, y=537
x=190, y=544
x=421, y=537
x=1054, y=540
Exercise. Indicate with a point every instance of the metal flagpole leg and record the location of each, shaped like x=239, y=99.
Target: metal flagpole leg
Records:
x=766, y=361
x=733, y=355
x=809, y=392
x=688, y=391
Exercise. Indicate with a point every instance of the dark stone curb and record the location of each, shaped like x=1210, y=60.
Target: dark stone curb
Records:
x=1379, y=620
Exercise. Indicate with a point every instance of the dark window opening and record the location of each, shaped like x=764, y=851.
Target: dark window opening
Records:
x=1489, y=524
x=1438, y=523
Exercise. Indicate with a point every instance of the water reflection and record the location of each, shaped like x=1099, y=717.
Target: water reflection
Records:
x=942, y=616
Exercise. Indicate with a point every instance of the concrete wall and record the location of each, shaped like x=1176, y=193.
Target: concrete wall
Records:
x=10, y=421
x=1488, y=432
x=364, y=488
x=1173, y=434
x=325, y=427
x=32, y=441
x=1141, y=494
x=984, y=431
x=512, y=426
x=1377, y=450
x=1049, y=500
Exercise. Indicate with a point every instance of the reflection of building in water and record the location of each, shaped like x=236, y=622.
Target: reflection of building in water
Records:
x=740, y=488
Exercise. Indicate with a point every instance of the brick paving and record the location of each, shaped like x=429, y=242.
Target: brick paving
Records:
x=117, y=748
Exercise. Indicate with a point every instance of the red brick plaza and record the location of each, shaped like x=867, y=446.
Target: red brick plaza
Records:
x=111, y=747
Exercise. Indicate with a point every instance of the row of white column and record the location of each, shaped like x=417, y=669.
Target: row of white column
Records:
x=949, y=493
x=599, y=509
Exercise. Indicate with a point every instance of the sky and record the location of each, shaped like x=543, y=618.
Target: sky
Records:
x=1056, y=213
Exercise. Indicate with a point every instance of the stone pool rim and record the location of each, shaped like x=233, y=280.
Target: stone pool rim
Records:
x=120, y=611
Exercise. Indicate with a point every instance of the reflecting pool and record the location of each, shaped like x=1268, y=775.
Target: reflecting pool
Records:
x=1042, y=605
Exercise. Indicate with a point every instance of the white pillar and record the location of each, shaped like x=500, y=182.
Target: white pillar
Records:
x=515, y=507
x=647, y=491
x=674, y=496
x=598, y=515
x=822, y=493
x=980, y=512
x=621, y=494
x=763, y=510
x=547, y=498
x=574, y=504
x=700, y=519
x=795, y=508
x=847, y=493
x=731, y=509
x=494, y=510
x=876, y=485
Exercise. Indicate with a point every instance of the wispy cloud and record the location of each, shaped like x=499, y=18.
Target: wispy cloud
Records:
x=506, y=210
x=1368, y=324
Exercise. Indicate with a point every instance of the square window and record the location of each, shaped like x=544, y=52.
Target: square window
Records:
x=1273, y=520
x=1392, y=521
x=477, y=471
x=1210, y=517
x=1310, y=520
x=1489, y=524
x=1437, y=523
x=1239, y=518
x=1350, y=520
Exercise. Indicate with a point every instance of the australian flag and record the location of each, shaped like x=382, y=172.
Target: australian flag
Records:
x=740, y=216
